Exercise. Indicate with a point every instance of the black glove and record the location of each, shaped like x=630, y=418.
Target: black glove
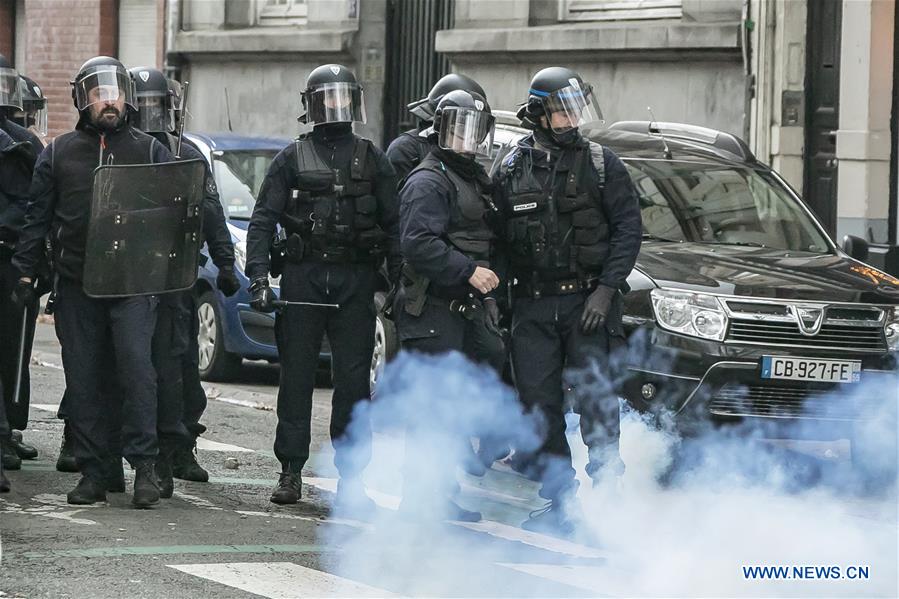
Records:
x=23, y=294
x=491, y=315
x=227, y=281
x=596, y=309
x=263, y=296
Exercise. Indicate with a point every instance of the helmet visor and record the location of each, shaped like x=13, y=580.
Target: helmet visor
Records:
x=104, y=85
x=40, y=121
x=571, y=107
x=466, y=131
x=335, y=103
x=10, y=95
x=154, y=113
x=422, y=109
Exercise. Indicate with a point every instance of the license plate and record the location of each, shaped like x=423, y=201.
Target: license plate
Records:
x=811, y=369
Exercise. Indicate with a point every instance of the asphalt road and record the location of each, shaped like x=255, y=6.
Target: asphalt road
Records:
x=225, y=539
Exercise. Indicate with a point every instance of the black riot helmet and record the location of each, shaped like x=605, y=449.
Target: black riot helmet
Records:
x=34, y=105
x=155, y=110
x=332, y=95
x=424, y=108
x=463, y=123
x=560, y=95
x=102, y=79
x=10, y=96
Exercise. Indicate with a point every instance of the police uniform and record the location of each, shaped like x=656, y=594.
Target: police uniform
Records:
x=334, y=194
x=19, y=149
x=572, y=224
x=408, y=150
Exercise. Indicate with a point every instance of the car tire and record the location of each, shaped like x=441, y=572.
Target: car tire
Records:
x=215, y=363
x=386, y=347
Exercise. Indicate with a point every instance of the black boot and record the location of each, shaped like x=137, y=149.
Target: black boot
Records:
x=352, y=501
x=114, y=473
x=66, y=460
x=146, y=487
x=288, y=489
x=185, y=466
x=164, y=473
x=23, y=450
x=8, y=456
x=87, y=492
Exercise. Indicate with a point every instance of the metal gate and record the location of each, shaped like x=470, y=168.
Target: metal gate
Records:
x=412, y=64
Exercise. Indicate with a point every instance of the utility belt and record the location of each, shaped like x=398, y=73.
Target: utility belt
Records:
x=538, y=289
x=296, y=250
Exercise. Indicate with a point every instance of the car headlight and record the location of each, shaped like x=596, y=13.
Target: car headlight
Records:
x=694, y=314
x=891, y=329
x=240, y=255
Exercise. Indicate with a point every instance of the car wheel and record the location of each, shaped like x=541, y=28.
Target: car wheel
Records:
x=385, y=348
x=216, y=364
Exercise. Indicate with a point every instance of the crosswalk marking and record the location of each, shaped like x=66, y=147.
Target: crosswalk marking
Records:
x=208, y=445
x=46, y=407
x=588, y=578
x=281, y=580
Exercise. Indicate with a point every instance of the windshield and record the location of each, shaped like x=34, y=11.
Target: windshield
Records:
x=239, y=175
x=714, y=203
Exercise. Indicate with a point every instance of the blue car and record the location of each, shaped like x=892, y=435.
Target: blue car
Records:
x=230, y=331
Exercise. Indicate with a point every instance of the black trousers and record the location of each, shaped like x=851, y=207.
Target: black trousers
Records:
x=171, y=345
x=351, y=334
x=87, y=328
x=429, y=465
x=550, y=353
x=13, y=415
x=194, y=398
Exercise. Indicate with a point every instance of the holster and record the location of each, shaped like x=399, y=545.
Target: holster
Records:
x=277, y=256
x=416, y=291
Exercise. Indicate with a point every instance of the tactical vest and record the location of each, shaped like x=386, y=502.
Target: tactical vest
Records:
x=467, y=231
x=333, y=210
x=557, y=228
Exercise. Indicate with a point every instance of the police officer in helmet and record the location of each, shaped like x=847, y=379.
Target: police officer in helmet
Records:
x=445, y=303
x=19, y=149
x=410, y=147
x=572, y=233
x=61, y=198
x=33, y=115
x=334, y=194
x=175, y=346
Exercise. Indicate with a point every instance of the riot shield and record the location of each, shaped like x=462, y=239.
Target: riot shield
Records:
x=144, y=234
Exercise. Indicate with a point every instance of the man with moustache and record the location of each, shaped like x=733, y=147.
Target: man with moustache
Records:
x=60, y=203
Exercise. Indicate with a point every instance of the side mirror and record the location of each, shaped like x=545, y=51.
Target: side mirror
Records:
x=856, y=247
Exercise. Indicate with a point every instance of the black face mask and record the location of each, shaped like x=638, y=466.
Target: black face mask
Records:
x=466, y=167
x=557, y=141
x=333, y=130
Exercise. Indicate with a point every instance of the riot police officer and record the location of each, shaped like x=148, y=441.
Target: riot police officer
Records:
x=33, y=115
x=61, y=198
x=334, y=194
x=572, y=233
x=175, y=345
x=410, y=147
x=18, y=152
x=447, y=244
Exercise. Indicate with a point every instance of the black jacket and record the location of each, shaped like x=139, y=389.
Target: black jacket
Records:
x=620, y=204
x=215, y=229
x=60, y=194
x=16, y=166
x=407, y=151
x=335, y=146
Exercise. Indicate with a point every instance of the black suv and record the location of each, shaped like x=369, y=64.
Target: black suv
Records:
x=746, y=309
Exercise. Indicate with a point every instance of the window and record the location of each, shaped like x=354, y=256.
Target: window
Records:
x=611, y=10
x=283, y=12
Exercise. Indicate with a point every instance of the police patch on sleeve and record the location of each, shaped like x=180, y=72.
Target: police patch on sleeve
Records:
x=210, y=186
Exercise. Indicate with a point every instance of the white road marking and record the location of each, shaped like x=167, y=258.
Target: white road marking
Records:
x=343, y=521
x=47, y=407
x=278, y=580
x=51, y=509
x=384, y=500
x=208, y=445
x=534, y=539
x=588, y=578
x=197, y=501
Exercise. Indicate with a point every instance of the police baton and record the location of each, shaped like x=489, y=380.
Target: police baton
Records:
x=20, y=363
x=278, y=304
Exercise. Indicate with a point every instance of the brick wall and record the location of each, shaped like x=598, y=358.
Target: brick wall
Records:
x=61, y=36
x=7, y=28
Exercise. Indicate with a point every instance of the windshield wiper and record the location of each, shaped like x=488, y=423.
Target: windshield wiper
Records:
x=753, y=244
x=239, y=217
x=652, y=237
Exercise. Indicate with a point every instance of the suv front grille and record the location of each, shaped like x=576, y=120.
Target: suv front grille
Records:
x=831, y=336
x=769, y=401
